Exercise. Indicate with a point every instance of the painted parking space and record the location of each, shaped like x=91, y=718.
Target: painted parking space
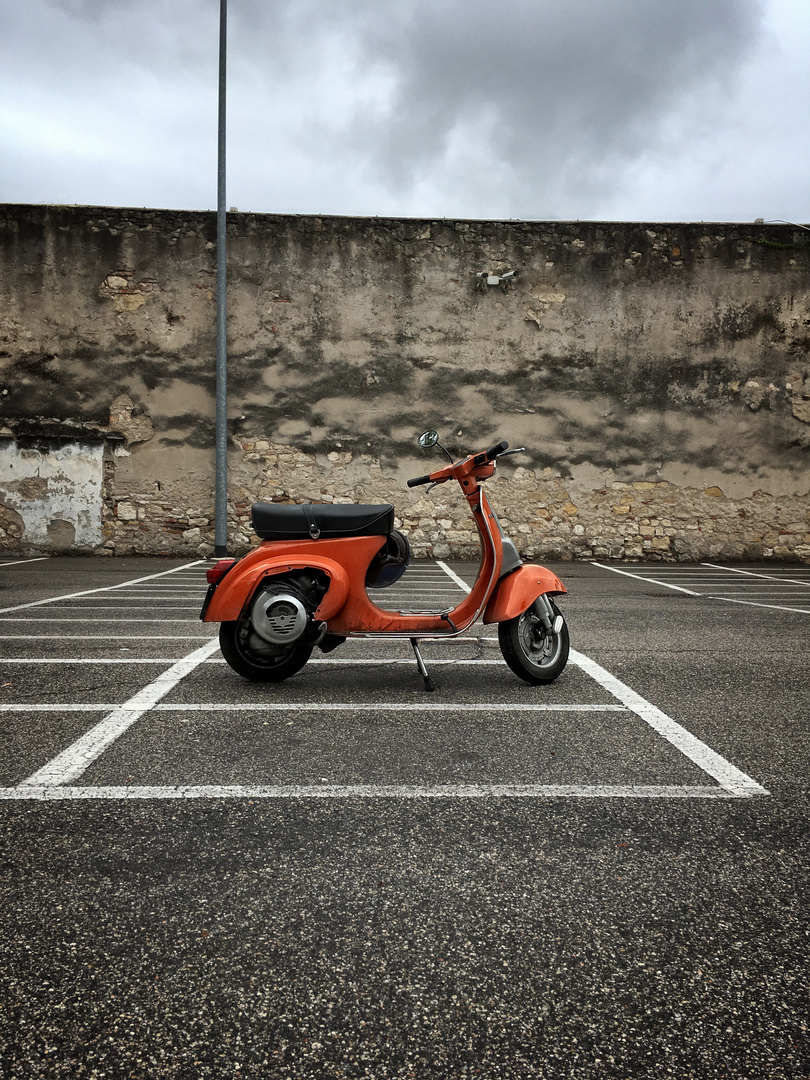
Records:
x=163, y=916
x=784, y=588
x=162, y=716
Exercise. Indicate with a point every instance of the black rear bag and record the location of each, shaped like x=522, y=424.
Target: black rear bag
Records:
x=327, y=521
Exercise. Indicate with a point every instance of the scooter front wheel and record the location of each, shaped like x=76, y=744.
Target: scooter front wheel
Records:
x=258, y=666
x=533, y=653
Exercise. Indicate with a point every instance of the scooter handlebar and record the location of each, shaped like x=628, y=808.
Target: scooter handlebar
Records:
x=417, y=480
x=495, y=450
x=479, y=459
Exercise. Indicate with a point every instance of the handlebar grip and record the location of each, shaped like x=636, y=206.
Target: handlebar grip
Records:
x=417, y=480
x=495, y=450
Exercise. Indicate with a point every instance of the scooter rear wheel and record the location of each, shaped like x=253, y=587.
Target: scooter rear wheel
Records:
x=234, y=641
x=530, y=651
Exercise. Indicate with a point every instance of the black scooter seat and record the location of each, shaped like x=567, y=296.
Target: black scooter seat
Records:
x=282, y=521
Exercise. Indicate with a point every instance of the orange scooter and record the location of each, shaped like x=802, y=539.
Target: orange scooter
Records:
x=305, y=585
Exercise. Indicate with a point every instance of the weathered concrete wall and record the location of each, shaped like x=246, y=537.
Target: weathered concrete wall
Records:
x=52, y=493
x=658, y=375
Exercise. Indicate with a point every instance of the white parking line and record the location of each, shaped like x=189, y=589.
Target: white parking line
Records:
x=727, y=775
x=46, y=793
x=104, y=637
x=104, y=588
x=166, y=595
x=86, y=660
x=255, y=707
x=325, y=660
x=74, y=619
x=639, y=577
x=55, y=780
x=717, y=579
x=756, y=573
x=753, y=603
x=71, y=763
x=170, y=605
x=454, y=576
x=22, y=562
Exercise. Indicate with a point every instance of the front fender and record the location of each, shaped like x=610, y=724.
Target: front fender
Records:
x=241, y=582
x=519, y=590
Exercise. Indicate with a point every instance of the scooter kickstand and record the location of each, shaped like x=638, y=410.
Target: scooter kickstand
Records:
x=420, y=663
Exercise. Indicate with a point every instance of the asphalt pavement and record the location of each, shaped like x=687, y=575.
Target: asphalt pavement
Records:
x=343, y=875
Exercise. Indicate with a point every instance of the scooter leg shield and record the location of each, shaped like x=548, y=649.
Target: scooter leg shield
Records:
x=518, y=591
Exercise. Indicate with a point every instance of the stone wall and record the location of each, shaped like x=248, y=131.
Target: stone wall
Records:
x=658, y=376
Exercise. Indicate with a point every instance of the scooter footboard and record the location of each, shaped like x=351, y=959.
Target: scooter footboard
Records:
x=518, y=591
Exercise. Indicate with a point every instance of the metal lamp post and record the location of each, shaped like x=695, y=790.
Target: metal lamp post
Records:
x=221, y=467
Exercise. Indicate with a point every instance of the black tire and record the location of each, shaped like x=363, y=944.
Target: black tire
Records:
x=234, y=641
x=532, y=653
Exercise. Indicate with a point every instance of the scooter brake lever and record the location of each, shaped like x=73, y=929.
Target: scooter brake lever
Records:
x=517, y=450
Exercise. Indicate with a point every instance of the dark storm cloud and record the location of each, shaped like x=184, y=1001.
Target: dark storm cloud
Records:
x=554, y=98
x=512, y=108
x=590, y=76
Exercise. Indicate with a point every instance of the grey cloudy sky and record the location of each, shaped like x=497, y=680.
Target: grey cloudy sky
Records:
x=591, y=109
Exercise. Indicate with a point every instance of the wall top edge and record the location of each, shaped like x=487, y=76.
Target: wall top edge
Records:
x=9, y=207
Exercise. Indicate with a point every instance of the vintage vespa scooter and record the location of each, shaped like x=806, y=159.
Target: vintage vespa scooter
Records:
x=305, y=585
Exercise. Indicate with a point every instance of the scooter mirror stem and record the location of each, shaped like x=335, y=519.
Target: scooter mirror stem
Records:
x=429, y=439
